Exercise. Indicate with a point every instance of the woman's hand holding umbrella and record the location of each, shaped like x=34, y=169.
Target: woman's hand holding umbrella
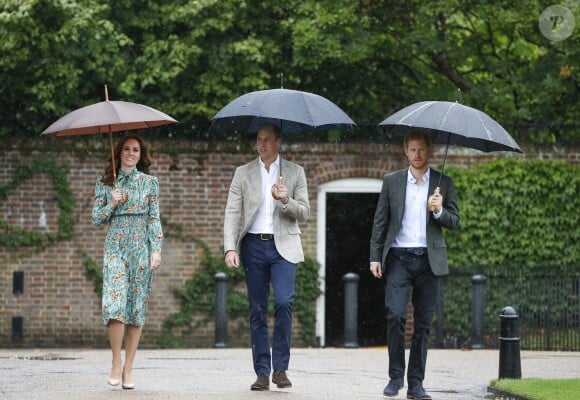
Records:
x=116, y=197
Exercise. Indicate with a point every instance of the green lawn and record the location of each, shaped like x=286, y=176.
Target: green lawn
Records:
x=541, y=389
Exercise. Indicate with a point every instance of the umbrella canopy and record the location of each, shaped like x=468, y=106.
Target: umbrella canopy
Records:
x=291, y=110
x=108, y=117
x=453, y=123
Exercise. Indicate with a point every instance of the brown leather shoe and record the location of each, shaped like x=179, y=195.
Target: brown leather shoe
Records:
x=281, y=380
x=262, y=383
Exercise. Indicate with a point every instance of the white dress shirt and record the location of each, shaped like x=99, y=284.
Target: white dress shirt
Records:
x=264, y=222
x=413, y=231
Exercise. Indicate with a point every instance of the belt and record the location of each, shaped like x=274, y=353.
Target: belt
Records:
x=263, y=236
x=417, y=251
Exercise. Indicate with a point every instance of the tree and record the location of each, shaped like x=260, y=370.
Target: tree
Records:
x=190, y=58
x=56, y=56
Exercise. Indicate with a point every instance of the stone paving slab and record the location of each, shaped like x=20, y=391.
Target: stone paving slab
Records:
x=329, y=373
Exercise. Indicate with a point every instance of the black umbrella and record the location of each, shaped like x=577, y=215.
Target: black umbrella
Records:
x=292, y=111
x=452, y=123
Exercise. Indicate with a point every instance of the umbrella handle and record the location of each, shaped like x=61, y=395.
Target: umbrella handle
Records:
x=125, y=195
x=125, y=198
x=429, y=205
x=274, y=189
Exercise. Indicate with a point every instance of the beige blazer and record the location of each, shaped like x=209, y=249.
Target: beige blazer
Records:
x=245, y=198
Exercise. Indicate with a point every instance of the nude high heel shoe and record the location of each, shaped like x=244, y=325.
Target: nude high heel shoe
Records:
x=128, y=382
x=112, y=380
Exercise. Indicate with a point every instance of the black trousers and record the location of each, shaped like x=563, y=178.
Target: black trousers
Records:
x=405, y=271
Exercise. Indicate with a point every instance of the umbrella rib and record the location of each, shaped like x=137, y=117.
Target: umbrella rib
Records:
x=487, y=131
x=444, y=121
x=417, y=110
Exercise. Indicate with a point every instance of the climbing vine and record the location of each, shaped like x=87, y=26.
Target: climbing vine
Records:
x=13, y=236
x=94, y=272
x=197, y=299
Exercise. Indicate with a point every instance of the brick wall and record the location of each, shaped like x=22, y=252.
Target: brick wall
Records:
x=58, y=305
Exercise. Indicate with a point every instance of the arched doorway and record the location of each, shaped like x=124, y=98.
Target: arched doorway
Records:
x=345, y=213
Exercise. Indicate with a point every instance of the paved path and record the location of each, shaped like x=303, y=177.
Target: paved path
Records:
x=331, y=373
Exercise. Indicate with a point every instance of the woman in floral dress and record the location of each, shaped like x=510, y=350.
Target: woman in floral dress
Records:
x=132, y=249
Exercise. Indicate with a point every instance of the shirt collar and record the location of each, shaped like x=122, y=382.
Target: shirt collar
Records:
x=411, y=178
x=122, y=175
x=273, y=165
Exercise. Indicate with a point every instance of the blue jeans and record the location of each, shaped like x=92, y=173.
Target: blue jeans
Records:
x=264, y=265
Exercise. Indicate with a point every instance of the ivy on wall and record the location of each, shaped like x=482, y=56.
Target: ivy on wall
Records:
x=197, y=297
x=14, y=236
x=94, y=272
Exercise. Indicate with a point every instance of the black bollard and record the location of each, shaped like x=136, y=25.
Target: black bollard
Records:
x=478, y=282
x=350, y=309
x=509, y=349
x=221, y=315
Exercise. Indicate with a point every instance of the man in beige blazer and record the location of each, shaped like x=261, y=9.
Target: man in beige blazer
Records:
x=261, y=228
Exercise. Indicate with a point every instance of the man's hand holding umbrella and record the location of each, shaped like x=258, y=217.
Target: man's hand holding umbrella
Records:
x=435, y=203
x=280, y=191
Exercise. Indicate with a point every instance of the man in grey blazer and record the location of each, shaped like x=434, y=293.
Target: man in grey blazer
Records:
x=408, y=250
x=263, y=231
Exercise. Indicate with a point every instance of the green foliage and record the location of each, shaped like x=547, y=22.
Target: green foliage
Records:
x=517, y=213
x=519, y=228
x=370, y=57
x=94, y=272
x=307, y=291
x=197, y=300
x=13, y=236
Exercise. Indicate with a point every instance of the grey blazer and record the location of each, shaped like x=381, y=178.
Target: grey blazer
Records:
x=389, y=216
x=244, y=200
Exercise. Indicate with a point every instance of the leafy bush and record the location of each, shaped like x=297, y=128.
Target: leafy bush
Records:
x=519, y=228
x=517, y=213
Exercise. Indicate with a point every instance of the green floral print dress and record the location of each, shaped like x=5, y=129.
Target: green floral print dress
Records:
x=134, y=233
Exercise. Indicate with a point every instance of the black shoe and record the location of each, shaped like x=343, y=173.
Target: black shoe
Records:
x=281, y=380
x=262, y=383
x=417, y=393
x=392, y=389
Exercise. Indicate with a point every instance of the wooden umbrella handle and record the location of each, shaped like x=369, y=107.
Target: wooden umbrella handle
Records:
x=274, y=189
x=429, y=205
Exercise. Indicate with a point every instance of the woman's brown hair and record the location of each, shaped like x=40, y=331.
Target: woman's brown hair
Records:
x=143, y=164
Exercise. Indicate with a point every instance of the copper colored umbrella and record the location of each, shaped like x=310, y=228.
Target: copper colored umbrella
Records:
x=108, y=117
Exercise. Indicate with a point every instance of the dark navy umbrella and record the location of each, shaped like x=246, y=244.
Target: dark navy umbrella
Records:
x=292, y=111
x=452, y=123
